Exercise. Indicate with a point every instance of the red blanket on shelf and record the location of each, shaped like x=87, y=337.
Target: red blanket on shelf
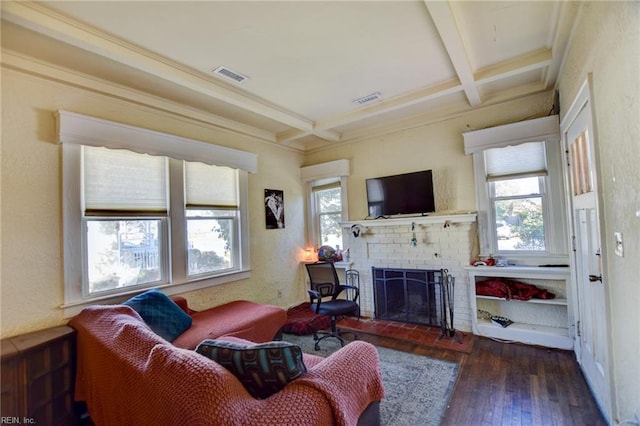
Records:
x=511, y=289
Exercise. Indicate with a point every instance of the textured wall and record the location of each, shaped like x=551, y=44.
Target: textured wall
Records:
x=606, y=43
x=437, y=146
x=32, y=262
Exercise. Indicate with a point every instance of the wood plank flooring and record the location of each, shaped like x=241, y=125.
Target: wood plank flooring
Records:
x=510, y=384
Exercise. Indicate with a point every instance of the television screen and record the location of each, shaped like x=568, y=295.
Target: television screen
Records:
x=409, y=193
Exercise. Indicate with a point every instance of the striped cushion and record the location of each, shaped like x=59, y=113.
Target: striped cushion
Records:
x=263, y=369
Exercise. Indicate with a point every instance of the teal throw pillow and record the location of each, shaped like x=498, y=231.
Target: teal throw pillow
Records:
x=263, y=369
x=161, y=314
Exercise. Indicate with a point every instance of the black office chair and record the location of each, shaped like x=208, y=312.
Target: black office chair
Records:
x=324, y=283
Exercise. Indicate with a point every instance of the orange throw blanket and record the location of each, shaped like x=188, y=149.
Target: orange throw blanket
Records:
x=129, y=375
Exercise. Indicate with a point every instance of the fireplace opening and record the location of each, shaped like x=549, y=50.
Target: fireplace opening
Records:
x=410, y=295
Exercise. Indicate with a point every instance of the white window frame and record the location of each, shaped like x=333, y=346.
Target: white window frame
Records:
x=75, y=130
x=547, y=130
x=319, y=175
x=315, y=208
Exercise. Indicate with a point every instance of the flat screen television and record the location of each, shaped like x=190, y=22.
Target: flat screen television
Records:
x=409, y=193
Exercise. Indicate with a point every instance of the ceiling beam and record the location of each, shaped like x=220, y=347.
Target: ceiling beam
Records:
x=290, y=135
x=447, y=27
x=398, y=102
x=43, y=20
x=442, y=114
x=327, y=134
x=532, y=61
x=295, y=134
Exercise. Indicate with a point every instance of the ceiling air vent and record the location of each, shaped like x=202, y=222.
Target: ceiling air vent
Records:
x=368, y=99
x=231, y=75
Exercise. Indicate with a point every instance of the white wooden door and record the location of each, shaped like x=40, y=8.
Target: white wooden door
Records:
x=592, y=319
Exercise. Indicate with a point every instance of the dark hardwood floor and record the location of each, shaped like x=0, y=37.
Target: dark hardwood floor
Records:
x=511, y=384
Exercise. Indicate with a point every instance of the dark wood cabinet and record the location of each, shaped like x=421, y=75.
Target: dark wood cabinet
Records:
x=37, y=377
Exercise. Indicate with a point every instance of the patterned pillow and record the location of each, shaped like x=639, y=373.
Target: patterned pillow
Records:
x=263, y=368
x=161, y=314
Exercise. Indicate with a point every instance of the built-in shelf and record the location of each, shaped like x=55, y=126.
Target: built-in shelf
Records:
x=521, y=271
x=556, y=301
x=433, y=218
x=555, y=333
x=555, y=337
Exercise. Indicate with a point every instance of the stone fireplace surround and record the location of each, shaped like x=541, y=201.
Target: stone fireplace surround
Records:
x=443, y=241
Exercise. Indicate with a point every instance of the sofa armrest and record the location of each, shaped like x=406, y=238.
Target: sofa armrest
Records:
x=183, y=303
x=341, y=386
x=350, y=379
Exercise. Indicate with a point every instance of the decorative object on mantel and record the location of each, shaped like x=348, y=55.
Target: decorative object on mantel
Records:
x=453, y=217
x=274, y=208
x=414, y=240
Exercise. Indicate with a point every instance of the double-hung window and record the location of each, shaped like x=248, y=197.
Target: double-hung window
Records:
x=519, y=190
x=328, y=214
x=327, y=202
x=212, y=218
x=144, y=209
x=125, y=219
x=516, y=176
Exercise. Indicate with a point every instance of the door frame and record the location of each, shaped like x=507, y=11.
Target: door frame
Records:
x=584, y=99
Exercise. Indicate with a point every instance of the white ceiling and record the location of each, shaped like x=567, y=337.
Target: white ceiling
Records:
x=306, y=60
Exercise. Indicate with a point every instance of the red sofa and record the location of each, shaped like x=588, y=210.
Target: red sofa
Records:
x=128, y=375
x=243, y=319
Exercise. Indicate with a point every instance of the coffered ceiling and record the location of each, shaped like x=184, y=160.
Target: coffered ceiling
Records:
x=305, y=62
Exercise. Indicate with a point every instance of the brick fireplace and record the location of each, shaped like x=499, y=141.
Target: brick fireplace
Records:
x=429, y=243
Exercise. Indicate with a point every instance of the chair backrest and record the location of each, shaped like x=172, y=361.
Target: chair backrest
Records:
x=323, y=278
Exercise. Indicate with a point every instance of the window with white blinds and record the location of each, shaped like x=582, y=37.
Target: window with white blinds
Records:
x=327, y=204
x=211, y=186
x=519, y=191
x=524, y=160
x=121, y=180
x=144, y=209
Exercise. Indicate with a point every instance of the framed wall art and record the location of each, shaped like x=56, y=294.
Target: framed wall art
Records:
x=274, y=208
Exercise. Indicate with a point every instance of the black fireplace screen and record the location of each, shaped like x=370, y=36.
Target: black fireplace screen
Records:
x=410, y=295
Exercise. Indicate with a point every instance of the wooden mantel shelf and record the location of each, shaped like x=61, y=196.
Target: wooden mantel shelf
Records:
x=431, y=219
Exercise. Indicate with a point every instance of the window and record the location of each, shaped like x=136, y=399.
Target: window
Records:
x=516, y=180
x=141, y=210
x=212, y=217
x=519, y=191
x=124, y=220
x=327, y=202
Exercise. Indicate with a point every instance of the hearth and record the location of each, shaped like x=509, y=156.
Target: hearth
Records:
x=417, y=296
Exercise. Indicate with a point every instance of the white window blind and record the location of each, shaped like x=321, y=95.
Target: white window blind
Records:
x=123, y=180
x=212, y=186
x=527, y=159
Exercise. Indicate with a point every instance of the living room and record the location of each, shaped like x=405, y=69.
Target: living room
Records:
x=37, y=83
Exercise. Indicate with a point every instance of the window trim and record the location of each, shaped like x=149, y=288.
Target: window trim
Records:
x=547, y=130
x=75, y=130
